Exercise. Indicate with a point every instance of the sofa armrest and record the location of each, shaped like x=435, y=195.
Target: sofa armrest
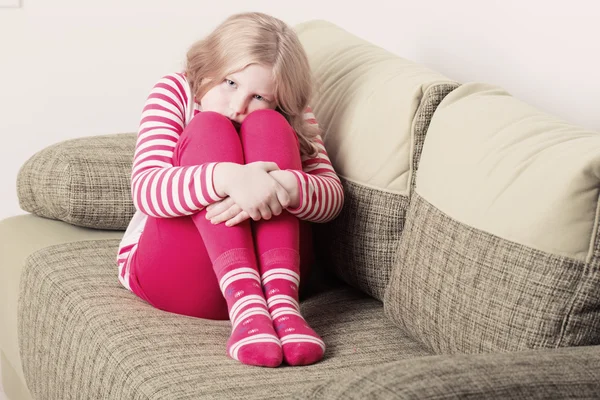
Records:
x=572, y=373
x=83, y=181
x=21, y=236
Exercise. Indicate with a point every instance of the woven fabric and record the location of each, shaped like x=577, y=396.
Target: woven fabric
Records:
x=83, y=336
x=429, y=103
x=84, y=182
x=360, y=244
x=458, y=289
x=572, y=373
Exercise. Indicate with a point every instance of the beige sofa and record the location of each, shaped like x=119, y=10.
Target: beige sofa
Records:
x=475, y=278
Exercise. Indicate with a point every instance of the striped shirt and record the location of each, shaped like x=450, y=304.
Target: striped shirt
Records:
x=161, y=190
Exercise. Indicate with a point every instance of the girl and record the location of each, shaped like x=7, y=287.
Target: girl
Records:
x=228, y=166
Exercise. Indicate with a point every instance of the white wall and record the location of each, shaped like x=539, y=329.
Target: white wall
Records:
x=72, y=68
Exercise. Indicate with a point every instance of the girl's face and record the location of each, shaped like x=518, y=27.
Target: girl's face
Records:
x=242, y=92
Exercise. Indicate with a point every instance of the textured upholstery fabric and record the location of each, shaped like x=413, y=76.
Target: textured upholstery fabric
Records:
x=572, y=373
x=83, y=336
x=500, y=244
x=82, y=181
x=459, y=289
x=360, y=244
x=20, y=236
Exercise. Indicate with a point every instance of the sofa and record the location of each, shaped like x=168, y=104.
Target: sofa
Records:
x=465, y=262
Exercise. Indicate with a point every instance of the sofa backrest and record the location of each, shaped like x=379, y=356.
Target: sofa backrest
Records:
x=501, y=248
x=374, y=108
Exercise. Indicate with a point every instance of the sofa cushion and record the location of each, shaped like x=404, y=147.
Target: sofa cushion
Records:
x=374, y=108
x=96, y=340
x=568, y=373
x=21, y=236
x=500, y=250
x=84, y=182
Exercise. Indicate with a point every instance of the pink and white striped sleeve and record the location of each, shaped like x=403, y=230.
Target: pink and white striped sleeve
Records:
x=321, y=191
x=158, y=188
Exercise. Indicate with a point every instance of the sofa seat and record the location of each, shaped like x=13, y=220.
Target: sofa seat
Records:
x=21, y=236
x=82, y=335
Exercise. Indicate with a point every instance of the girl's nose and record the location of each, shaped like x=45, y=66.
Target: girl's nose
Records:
x=238, y=105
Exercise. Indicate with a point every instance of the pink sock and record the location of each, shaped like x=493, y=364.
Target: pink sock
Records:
x=253, y=340
x=280, y=279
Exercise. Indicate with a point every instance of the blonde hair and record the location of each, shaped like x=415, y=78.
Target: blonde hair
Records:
x=257, y=38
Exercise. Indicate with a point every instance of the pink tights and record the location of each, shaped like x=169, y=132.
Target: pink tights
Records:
x=173, y=263
x=249, y=272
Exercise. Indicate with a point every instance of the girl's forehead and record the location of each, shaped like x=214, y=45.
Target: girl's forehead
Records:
x=256, y=71
x=257, y=77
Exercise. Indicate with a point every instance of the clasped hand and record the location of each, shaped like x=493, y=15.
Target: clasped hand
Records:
x=253, y=191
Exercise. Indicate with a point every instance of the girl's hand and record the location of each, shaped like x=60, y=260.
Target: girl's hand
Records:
x=232, y=214
x=252, y=188
x=226, y=210
x=289, y=182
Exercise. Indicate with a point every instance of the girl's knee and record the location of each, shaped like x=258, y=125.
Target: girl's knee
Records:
x=209, y=137
x=210, y=120
x=265, y=117
x=267, y=125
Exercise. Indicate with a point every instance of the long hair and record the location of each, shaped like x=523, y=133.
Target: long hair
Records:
x=257, y=38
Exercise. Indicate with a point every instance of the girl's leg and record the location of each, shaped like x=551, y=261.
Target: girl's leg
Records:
x=171, y=268
x=172, y=271
x=231, y=249
x=232, y=270
x=267, y=136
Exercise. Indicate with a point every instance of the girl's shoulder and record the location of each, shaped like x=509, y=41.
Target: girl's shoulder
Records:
x=176, y=77
x=176, y=81
x=175, y=89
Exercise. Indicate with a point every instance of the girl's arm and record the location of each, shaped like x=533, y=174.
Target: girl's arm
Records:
x=158, y=188
x=320, y=192
x=289, y=182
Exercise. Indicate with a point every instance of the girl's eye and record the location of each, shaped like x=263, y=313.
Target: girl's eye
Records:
x=258, y=97
x=229, y=82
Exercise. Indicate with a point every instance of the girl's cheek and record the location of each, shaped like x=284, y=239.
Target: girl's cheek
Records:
x=224, y=99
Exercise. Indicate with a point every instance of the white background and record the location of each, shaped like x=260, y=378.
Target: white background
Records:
x=72, y=68
x=9, y=3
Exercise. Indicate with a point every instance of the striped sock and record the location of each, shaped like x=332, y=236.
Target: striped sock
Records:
x=280, y=278
x=253, y=340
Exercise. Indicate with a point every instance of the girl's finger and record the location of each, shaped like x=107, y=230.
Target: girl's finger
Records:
x=226, y=215
x=283, y=196
x=241, y=217
x=268, y=166
x=265, y=211
x=254, y=213
x=219, y=207
x=275, y=206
